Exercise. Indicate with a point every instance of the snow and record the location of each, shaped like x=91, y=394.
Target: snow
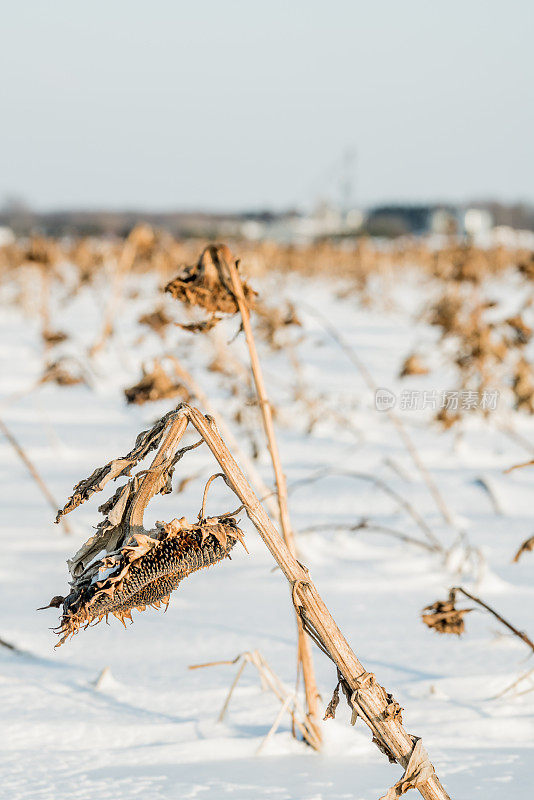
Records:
x=148, y=728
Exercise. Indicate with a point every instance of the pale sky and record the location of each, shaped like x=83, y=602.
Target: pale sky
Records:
x=236, y=104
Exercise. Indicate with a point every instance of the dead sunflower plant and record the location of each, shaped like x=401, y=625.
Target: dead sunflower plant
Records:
x=125, y=567
x=214, y=283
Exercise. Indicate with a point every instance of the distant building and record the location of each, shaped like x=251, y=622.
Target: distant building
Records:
x=424, y=220
x=6, y=236
x=294, y=227
x=417, y=220
x=477, y=221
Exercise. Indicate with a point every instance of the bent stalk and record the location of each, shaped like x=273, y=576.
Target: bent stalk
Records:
x=368, y=699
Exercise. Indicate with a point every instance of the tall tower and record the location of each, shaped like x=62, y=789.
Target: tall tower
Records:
x=348, y=173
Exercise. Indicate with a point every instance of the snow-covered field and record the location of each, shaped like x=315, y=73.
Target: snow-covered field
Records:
x=149, y=729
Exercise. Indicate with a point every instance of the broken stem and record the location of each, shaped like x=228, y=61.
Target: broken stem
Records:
x=521, y=634
x=202, y=514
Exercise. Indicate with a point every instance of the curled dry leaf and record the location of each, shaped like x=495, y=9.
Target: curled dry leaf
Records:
x=55, y=602
x=51, y=338
x=523, y=386
x=200, y=327
x=273, y=319
x=144, y=444
x=393, y=709
x=207, y=283
x=526, y=547
x=155, y=385
x=522, y=332
x=331, y=708
x=444, y=617
x=63, y=372
x=418, y=771
x=157, y=320
x=447, y=418
x=41, y=250
x=413, y=365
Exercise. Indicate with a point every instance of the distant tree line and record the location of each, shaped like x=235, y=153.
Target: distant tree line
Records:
x=23, y=220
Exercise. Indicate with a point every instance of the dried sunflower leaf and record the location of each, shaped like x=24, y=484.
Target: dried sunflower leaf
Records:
x=444, y=617
x=144, y=444
x=330, y=712
x=526, y=547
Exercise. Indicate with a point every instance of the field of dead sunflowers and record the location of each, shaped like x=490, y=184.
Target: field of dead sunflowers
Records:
x=339, y=440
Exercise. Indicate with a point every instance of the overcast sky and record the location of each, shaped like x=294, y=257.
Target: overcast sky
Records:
x=234, y=104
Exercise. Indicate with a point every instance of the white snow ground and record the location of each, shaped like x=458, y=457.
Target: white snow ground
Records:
x=150, y=729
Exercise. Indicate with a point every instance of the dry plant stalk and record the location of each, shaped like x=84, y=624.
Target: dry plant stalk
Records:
x=523, y=464
x=365, y=525
x=8, y=645
x=136, y=240
x=215, y=285
x=304, y=647
x=367, y=697
x=19, y=450
x=271, y=681
x=434, y=545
